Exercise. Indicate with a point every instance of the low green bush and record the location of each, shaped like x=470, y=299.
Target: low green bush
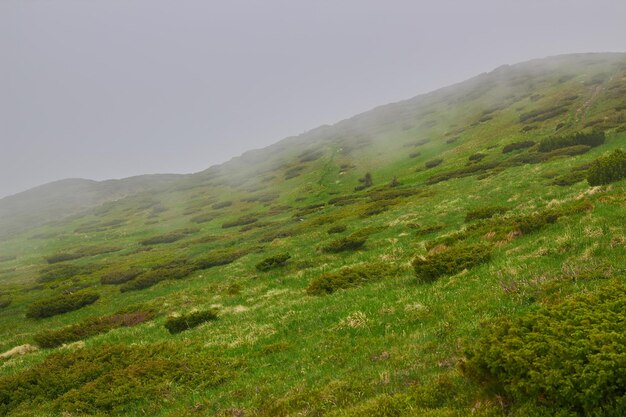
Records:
x=340, y=228
x=60, y=304
x=220, y=257
x=203, y=218
x=476, y=157
x=5, y=302
x=450, y=261
x=272, y=262
x=565, y=359
x=221, y=205
x=486, y=212
x=366, y=182
x=169, y=237
x=517, y=145
x=592, y=139
x=423, y=230
x=119, y=276
x=348, y=243
x=109, y=379
x=90, y=327
x=607, y=169
x=241, y=221
x=349, y=277
x=433, y=163
x=189, y=321
x=65, y=271
x=543, y=114
x=80, y=253
x=177, y=269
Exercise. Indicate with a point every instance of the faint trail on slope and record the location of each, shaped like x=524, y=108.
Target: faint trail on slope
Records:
x=581, y=112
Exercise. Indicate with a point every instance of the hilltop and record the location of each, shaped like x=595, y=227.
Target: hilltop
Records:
x=390, y=264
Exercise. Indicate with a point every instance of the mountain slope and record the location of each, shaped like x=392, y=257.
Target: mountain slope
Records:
x=357, y=269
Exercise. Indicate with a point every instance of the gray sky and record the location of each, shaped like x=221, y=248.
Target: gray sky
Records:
x=109, y=88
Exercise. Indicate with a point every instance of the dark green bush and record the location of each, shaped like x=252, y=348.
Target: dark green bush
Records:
x=463, y=172
x=189, y=321
x=293, y=172
x=119, y=276
x=563, y=359
x=177, y=269
x=169, y=237
x=517, y=145
x=7, y=258
x=366, y=182
x=222, y=204
x=5, y=302
x=65, y=271
x=487, y=212
x=349, y=277
x=450, y=261
x=61, y=304
x=423, y=230
x=275, y=261
x=203, y=218
x=348, y=243
x=90, y=327
x=220, y=257
x=241, y=221
x=433, y=163
x=543, y=114
x=607, y=169
x=476, y=157
x=593, y=138
x=109, y=379
x=81, y=253
x=340, y=228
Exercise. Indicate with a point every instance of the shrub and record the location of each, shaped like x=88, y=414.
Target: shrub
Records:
x=433, y=163
x=108, y=380
x=426, y=229
x=348, y=277
x=80, y=253
x=273, y=262
x=56, y=271
x=476, y=157
x=366, y=182
x=177, y=269
x=463, y=172
x=593, y=138
x=61, y=304
x=5, y=302
x=220, y=257
x=7, y=258
x=450, y=261
x=340, y=228
x=414, y=154
x=120, y=276
x=481, y=213
x=517, y=145
x=222, y=204
x=566, y=359
x=203, y=218
x=240, y=222
x=189, y=321
x=89, y=328
x=169, y=237
x=543, y=114
x=607, y=169
x=349, y=243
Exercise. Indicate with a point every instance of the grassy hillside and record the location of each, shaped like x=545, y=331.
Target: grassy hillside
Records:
x=441, y=256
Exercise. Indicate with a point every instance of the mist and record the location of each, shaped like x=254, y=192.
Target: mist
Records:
x=111, y=89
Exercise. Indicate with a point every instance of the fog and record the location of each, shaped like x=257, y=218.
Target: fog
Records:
x=104, y=89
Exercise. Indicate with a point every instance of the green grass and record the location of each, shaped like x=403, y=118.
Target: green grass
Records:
x=379, y=342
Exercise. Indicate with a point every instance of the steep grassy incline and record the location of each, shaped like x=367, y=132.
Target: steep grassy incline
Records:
x=394, y=264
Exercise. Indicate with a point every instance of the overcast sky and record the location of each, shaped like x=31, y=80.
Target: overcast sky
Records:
x=109, y=88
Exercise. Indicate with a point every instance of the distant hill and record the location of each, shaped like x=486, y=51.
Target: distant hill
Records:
x=61, y=199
